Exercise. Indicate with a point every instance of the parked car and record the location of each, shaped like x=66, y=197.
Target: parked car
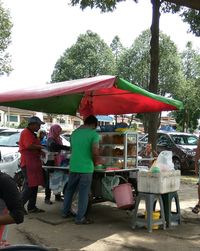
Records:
x=10, y=157
x=142, y=141
x=182, y=145
x=66, y=136
x=9, y=150
x=3, y=128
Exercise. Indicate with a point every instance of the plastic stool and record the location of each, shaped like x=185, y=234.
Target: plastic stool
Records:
x=150, y=202
x=171, y=216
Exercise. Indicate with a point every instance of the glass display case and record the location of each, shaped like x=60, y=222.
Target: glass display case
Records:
x=119, y=150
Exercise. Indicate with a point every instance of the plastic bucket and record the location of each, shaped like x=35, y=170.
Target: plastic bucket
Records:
x=155, y=216
x=123, y=195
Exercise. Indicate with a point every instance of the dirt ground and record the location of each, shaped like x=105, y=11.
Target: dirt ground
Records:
x=111, y=230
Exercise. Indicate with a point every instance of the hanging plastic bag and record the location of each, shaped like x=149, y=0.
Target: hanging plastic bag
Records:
x=57, y=180
x=164, y=161
x=108, y=183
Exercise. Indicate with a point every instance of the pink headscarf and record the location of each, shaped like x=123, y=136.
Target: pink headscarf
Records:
x=54, y=133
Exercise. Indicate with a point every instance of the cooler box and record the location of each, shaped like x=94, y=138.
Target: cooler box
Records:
x=160, y=183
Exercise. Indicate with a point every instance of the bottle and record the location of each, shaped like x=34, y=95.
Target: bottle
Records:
x=155, y=169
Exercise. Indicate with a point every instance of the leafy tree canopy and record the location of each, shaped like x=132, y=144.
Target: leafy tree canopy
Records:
x=190, y=16
x=90, y=56
x=117, y=47
x=134, y=63
x=193, y=4
x=5, y=39
x=191, y=62
x=106, y=5
x=189, y=89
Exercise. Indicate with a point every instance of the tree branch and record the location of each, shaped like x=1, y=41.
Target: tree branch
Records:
x=193, y=4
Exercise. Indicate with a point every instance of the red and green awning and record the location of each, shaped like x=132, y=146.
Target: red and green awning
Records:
x=101, y=95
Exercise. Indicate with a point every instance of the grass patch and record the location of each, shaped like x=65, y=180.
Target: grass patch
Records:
x=189, y=179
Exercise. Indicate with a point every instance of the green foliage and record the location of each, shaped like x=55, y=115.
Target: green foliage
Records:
x=117, y=47
x=188, y=91
x=167, y=7
x=103, y=5
x=90, y=56
x=192, y=17
x=191, y=62
x=134, y=63
x=23, y=124
x=5, y=39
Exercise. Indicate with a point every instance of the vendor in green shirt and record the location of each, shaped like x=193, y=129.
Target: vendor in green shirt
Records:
x=84, y=153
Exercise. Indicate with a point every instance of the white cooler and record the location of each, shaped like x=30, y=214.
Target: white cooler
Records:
x=159, y=183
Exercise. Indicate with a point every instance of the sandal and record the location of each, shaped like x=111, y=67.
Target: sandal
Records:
x=84, y=222
x=69, y=214
x=36, y=210
x=196, y=209
x=47, y=201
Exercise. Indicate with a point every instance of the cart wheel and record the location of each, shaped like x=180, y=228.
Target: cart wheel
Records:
x=177, y=163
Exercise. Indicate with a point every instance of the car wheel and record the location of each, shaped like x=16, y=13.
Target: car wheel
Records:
x=177, y=163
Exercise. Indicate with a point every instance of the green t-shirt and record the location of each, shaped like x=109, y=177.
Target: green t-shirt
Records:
x=81, y=160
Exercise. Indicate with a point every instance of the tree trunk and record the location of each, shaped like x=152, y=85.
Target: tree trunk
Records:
x=188, y=120
x=131, y=119
x=146, y=122
x=115, y=119
x=154, y=53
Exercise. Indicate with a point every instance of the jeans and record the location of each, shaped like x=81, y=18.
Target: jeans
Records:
x=82, y=183
x=29, y=193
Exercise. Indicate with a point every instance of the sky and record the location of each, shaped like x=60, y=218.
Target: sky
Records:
x=44, y=29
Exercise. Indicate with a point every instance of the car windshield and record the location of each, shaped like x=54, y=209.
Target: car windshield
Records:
x=185, y=139
x=9, y=139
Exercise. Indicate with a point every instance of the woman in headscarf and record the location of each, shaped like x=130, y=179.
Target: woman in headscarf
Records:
x=54, y=144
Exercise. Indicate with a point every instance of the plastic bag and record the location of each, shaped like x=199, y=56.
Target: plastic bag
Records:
x=44, y=156
x=57, y=181
x=108, y=183
x=164, y=161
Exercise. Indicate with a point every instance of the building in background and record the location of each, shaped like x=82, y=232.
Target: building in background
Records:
x=168, y=123
x=13, y=117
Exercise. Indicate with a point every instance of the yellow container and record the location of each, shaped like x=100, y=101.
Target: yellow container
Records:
x=156, y=216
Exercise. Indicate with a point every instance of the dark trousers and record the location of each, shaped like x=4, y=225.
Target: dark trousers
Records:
x=47, y=189
x=29, y=194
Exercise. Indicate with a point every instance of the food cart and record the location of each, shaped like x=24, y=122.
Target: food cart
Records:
x=101, y=95
x=119, y=151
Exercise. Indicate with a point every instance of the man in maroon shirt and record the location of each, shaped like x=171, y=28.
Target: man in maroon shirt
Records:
x=31, y=165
